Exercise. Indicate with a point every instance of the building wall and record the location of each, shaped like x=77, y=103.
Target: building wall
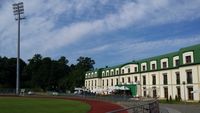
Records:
x=172, y=70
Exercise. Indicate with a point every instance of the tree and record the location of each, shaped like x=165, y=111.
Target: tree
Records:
x=8, y=71
x=45, y=73
x=31, y=70
x=77, y=73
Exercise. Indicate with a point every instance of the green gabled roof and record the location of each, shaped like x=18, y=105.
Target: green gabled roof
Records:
x=193, y=47
x=113, y=67
x=95, y=70
x=197, y=46
x=119, y=66
x=159, y=57
x=133, y=62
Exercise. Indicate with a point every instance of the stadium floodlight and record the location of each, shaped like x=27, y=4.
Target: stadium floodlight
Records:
x=18, y=10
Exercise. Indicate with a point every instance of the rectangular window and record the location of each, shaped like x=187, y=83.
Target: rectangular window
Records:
x=178, y=92
x=129, y=70
x=177, y=62
x=145, y=93
x=177, y=78
x=122, y=80
x=92, y=82
x=165, y=81
x=103, y=82
x=188, y=59
x=107, y=73
x=107, y=82
x=153, y=79
x=153, y=66
x=112, y=73
x=129, y=79
x=164, y=65
x=122, y=71
x=111, y=82
x=144, y=80
x=117, y=81
x=154, y=92
x=135, y=79
x=165, y=92
x=135, y=69
x=189, y=77
x=143, y=68
x=190, y=95
x=95, y=83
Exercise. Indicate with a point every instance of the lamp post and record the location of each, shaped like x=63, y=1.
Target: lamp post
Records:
x=184, y=91
x=18, y=10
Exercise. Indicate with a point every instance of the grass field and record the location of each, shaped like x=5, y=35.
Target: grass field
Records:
x=39, y=105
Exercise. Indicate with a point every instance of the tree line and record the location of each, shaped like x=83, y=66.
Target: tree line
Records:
x=44, y=73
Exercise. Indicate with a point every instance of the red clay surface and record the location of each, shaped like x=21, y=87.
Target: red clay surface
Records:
x=100, y=106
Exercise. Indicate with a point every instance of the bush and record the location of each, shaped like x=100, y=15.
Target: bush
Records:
x=167, y=99
x=170, y=98
x=179, y=98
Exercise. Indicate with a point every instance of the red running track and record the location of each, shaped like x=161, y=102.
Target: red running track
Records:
x=100, y=106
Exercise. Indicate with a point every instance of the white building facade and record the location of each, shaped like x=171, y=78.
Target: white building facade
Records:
x=175, y=74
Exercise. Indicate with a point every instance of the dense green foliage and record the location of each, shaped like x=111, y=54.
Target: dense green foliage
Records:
x=39, y=105
x=44, y=73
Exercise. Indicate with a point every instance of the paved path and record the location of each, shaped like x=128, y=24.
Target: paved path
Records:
x=181, y=108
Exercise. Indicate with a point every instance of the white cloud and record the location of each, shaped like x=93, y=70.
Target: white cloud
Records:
x=43, y=31
x=136, y=49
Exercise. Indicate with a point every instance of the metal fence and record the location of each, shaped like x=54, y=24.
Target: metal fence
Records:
x=6, y=91
x=148, y=107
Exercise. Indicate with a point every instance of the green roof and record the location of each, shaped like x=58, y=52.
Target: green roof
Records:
x=194, y=48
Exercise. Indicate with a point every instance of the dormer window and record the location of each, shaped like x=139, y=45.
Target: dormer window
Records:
x=153, y=66
x=188, y=59
x=112, y=72
x=103, y=73
x=129, y=70
x=177, y=62
x=143, y=68
x=135, y=69
x=122, y=71
x=164, y=65
x=107, y=73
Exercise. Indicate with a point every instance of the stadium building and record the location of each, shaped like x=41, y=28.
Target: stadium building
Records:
x=174, y=74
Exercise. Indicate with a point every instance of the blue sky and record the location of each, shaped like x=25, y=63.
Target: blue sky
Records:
x=109, y=31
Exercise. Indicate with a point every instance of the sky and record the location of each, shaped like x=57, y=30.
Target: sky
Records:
x=111, y=32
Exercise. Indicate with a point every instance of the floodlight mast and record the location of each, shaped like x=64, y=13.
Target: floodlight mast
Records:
x=18, y=10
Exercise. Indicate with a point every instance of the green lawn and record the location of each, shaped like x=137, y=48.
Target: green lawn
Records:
x=38, y=105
